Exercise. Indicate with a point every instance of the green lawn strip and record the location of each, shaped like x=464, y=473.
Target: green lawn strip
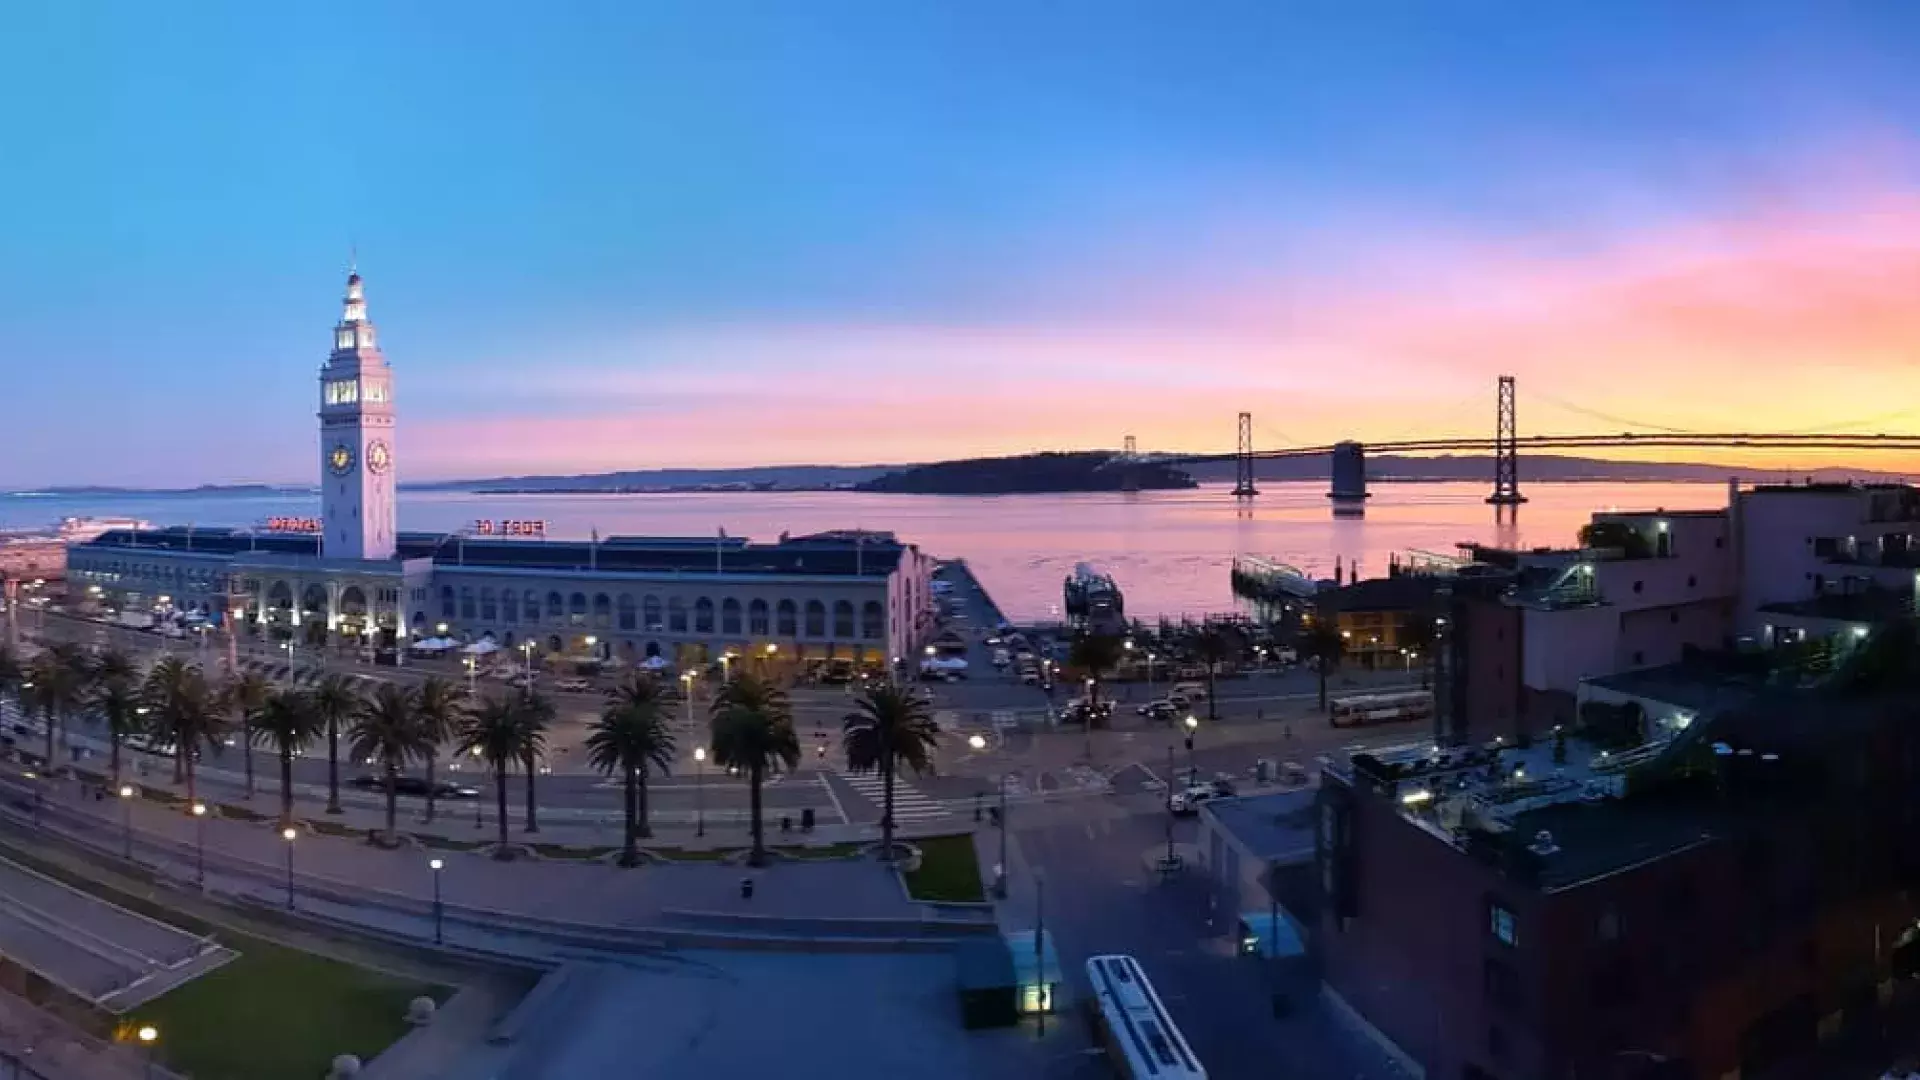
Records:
x=443, y=843
x=278, y=1011
x=828, y=851
x=949, y=871
x=565, y=851
x=272, y=1011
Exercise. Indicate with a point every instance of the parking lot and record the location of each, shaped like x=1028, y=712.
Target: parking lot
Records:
x=111, y=956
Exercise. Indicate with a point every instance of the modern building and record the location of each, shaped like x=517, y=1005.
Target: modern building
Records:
x=352, y=576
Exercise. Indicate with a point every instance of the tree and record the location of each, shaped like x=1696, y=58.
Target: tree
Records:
x=286, y=723
x=12, y=673
x=1096, y=654
x=495, y=731
x=246, y=694
x=387, y=730
x=634, y=736
x=1323, y=642
x=1215, y=644
x=438, y=706
x=182, y=706
x=109, y=665
x=57, y=688
x=118, y=703
x=535, y=715
x=889, y=725
x=337, y=701
x=752, y=730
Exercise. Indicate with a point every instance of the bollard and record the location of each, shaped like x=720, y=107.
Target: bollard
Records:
x=746, y=888
x=806, y=819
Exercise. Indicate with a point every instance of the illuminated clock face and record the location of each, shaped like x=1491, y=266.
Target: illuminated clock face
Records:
x=378, y=458
x=341, y=459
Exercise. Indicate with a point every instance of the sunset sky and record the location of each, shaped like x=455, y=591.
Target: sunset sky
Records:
x=728, y=232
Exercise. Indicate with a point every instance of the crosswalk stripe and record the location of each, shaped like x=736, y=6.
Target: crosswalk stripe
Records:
x=908, y=802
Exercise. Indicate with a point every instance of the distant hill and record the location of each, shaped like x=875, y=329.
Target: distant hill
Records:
x=1030, y=473
x=1536, y=468
x=764, y=478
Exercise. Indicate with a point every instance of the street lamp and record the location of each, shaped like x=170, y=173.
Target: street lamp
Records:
x=435, y=865
x=593, y=641
x=200, y=844
x=699, y=791
x=148, y=1035
x=1000, y=878
x=288, y=645
x=479, y=805
x=471, y=670
x=441, y=629
x=288, y=834
x=1193, y=725
x=126, y=820
x=526, y=651
x=686, y=691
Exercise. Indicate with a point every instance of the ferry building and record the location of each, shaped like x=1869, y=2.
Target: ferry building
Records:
x=351, y=576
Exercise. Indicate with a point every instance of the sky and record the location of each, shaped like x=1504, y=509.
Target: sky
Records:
x=645, y=234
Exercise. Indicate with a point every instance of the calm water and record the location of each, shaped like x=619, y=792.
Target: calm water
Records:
x=1169, y=550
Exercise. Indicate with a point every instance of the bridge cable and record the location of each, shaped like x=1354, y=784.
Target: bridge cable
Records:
x=1598, y=415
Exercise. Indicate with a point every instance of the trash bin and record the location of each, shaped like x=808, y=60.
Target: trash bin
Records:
x=746, y=888
x=806, y=819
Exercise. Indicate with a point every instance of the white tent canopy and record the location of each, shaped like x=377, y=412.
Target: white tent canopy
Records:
x=655, y=663
x=481, y=647
x=433, y=645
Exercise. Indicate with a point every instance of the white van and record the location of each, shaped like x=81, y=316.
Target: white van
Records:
x=1192, y=691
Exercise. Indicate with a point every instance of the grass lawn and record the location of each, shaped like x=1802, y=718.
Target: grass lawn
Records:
x=277, y=1011
x=791, y=851
x=434, y=840
x=949, y=871
x=567, y=851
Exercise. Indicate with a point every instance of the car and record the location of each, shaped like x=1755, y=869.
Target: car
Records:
x=1163, y=711
x=992, y=641
x=1188, y=800
x=415, y=786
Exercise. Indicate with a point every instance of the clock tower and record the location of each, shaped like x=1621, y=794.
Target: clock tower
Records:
x=356, y=439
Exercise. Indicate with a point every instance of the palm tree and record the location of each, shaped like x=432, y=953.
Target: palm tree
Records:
x=187, y=710
x=246, y=694
x=108, y=665
x=752, y=724
x=438, y=706
x=287, y=723
x=633, y=735
x=1215, y=644
x=495, y=732
x=1324, y=642
x=888, y=726
x=337, y=701
x=119, y=704
x=387, y=730
x=57, y=684
x=12, y=672
x=1096, y=654
x=536, y=713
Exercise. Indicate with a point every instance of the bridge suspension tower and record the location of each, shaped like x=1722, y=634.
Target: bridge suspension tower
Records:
x=1506, y=449
x=1243, y=460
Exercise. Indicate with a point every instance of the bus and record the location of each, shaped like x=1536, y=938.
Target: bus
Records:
x=1139, y=1035
x=1363, y=709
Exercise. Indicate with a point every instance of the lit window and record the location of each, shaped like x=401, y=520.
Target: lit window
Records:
x=1502, y=924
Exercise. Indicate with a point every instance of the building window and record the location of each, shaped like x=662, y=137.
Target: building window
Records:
x=873, y=621
x=489, y=608
x=842, y=620
x=509, y=605
x=816, y=619
x=446, y=602
x=676, y=615
x=789, y=624
x=730, y=616
x=757, y=618
x=577, y=609
x=467, y=610
x=1502, y=925
x=650, y=614
x=625, y=607
x=602, y=610
x=703, y=616
x=556, y=608
x=533, y=606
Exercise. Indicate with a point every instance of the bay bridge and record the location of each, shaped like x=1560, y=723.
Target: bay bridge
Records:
x=1348, y=472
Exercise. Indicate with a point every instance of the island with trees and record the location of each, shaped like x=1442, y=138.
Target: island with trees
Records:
x=1092, y=470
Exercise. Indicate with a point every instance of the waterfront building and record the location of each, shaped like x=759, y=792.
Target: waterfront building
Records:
x=351, y=576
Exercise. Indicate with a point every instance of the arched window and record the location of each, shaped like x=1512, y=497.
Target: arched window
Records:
x=703, y=616
x=873, y=621
x=842, y=620
x=489, y=606
x=625, y=607
x=577, y=609
x=789, y=624
x=553, y=643
x=757, y=618
x=510, y=605
x=556, y=608
x=650, y=615
x=602, y=610
x=446, y=601
x=467, y=610
x=816, y=619
x=730, y=616
x=676, y=615
x=533, y=606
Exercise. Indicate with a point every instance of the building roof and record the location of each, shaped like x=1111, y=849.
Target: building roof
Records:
x=1276, y=827
x=1864, y=606
x=1700, y=686
x=841, y=554
x=1402, y=592
x=1592, y=840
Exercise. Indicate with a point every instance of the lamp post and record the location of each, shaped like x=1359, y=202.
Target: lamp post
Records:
x=200, y=845
x=686, y=691
x=470, y=675
x=526, y=653
x=700, y=791
x=593, y=646
x=435, y=865
x=1000, y=879
x=126, y=821
x=148, y=1036
x=1193, y=725
x=1168, y=864
x=480, y=805
x=288, y=645
x=288, y=834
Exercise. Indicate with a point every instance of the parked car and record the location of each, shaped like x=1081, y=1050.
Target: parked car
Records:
x=1163, y=711
x=415, y=786
x=1188, y=800
x=572, y=686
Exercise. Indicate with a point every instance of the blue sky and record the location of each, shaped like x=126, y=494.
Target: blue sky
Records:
x=629, y=234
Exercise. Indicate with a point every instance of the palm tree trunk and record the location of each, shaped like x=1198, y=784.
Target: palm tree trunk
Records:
x=630, y=849
x=1322, y=671
x=113, y=756
x=393, y=802
x=500, y=796
x=759, y=856
x=533, y=823
x=286, y=786
x=50, y=725
x=185, y=754
x=886, y=809
x=333, y=765
x=430, y=786
x=246, y=746
x=180, y=764
x=646, y=824
x=1213, y=712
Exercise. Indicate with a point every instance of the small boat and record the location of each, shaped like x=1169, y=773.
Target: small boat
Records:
x=1093, y=601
